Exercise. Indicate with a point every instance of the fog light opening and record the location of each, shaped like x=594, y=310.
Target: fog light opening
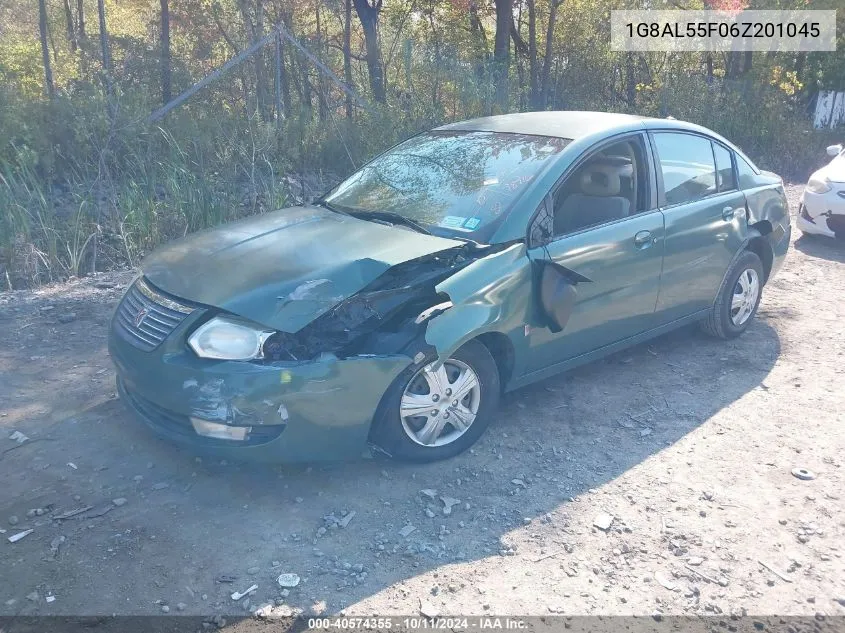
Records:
x=220, y=431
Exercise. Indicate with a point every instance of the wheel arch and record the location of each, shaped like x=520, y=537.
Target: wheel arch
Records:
x=759, y=245
x=502, y=350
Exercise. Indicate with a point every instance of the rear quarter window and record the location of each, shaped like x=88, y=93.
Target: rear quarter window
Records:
x=746, y=173
x=724, y=168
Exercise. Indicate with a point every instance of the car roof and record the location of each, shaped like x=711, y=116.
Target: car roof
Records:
x=569, y=124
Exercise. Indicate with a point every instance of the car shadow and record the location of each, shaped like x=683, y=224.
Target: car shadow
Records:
x=821, y=247
x=190, y=520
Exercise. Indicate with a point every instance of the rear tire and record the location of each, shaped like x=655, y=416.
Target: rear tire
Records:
x=402, y=436
x=738, y=298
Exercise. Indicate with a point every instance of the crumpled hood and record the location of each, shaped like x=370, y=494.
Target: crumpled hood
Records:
x=286, y=268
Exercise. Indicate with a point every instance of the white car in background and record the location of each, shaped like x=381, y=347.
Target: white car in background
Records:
x=822, y=208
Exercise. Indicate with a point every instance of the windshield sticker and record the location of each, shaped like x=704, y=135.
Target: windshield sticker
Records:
x=453, y=221
x=515, y=184
x=472, y=223
x=491, y=181
x=496, y=208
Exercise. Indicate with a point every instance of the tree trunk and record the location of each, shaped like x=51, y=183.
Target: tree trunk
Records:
x=799, y=66
x=368, y=12
x=748, y=60
x=286, y=100
x=476, y=27
x=254, y=33
x=733, y=68
x=630, y=81
x=533, y=69
x=104, y=45
x=322, y=109
x=547, y=57
x=80, y=20
x=501, y=51
x=45, y=49
x=347, y=53
x=166, y=92
x=71, y=27
x=261, y=88
x=278, y=62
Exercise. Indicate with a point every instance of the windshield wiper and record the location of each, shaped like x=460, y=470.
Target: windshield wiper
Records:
x=392, y=218
x=331, y=207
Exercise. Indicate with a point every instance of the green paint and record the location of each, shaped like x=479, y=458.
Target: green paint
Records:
x=285, y=269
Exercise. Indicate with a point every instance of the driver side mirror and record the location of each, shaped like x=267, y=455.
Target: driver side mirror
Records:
x=834, y=150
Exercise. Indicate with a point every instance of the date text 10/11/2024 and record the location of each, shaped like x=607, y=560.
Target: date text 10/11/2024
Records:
x=486, y=623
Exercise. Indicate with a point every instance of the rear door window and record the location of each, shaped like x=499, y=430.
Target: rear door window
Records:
x=687, y=165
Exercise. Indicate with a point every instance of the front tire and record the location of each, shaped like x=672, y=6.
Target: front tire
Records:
x=738, y=298
x=430, y=414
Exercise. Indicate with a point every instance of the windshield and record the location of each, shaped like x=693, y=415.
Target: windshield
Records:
x=449, y=182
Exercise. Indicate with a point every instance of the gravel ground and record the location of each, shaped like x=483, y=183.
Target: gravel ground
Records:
x=681, y=450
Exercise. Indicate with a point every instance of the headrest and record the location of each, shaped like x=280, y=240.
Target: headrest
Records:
x=603, y=177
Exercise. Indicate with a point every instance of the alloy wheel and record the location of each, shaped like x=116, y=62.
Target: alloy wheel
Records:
x=439, y=405
x=745, y=294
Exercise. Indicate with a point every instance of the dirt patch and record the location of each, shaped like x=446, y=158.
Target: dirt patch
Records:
x=658, y=479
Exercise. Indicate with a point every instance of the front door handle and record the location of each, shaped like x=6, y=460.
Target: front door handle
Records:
x=727, y=213
x=643, y=239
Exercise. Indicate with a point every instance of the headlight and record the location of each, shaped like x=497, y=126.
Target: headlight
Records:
x=817, y=185
x=229, y=339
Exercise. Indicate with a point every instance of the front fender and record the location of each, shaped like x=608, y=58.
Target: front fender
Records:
x=493, y=294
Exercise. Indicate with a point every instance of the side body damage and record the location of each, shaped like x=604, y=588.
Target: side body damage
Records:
x=768, y=221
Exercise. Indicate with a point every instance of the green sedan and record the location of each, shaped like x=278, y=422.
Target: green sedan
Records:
x=467, y=261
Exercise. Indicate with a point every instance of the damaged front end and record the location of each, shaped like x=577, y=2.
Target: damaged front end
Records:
x=310, y=394
x=388, y=316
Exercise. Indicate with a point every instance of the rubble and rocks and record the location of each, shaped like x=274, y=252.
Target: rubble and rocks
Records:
x=237, y=595
x=603, y=521
x=406, y=531
x=288, y=580
x=448, y=504
x=20, y=535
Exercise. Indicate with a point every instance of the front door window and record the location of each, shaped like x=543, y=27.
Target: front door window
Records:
x=608, y=186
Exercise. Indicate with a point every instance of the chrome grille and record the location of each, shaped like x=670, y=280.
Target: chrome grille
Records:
x=145, y=317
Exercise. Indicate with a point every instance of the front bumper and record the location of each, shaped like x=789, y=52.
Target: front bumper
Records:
x=822, y=213
x=299, y=411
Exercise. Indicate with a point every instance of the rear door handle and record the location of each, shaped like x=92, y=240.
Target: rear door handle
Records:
x=727, y=213
x=643, y=239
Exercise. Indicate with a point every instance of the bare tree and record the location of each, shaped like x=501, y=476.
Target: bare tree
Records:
x=166, y=92
x=71, y=27
x=104, y=45
x=630, y=81
x=80, y=20
x=547, y=57
x=368, y=12
x=476, y=27
x=533, y=68
x=347, y=53
x=254, y=23
x=501, y=50
x=45, y=49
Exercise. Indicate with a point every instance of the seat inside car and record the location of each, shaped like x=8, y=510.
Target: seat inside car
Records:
x=604, y=191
